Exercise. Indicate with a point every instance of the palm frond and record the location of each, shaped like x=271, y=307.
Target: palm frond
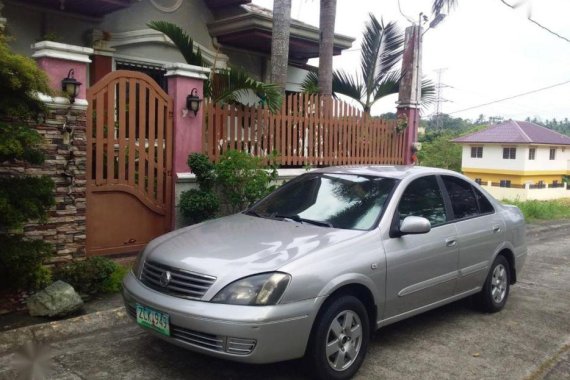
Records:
x=428, y=93
x=439, y=5
x=390, y=84
x=381, y=49
x=310, y=84
x=234, y=84
x=181, y=40
x=348, y=85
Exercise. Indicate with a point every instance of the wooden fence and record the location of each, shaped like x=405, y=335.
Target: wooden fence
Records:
x=306, y=131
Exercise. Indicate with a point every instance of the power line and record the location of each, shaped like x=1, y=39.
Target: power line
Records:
x=512, y=97
x=536, y=22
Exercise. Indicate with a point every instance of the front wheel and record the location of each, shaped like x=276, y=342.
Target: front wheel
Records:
x=340, y=339
x=495, y=291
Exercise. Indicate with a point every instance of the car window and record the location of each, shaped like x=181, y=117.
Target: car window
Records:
x=485, y=206
x=340, y=200
x=423, y=198
x=461, y=196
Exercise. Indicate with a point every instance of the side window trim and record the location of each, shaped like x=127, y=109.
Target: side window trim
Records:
x=446, y=200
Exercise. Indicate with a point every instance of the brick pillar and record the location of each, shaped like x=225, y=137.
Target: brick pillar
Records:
x=63, y=128
x=410, y=88
x=182, y=79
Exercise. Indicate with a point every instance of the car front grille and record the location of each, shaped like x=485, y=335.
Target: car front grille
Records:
x=184, y=284
x=231, y=345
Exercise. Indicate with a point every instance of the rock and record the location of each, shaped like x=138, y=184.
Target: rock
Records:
x=56, y=300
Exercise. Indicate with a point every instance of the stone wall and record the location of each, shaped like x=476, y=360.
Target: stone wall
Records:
x=63, y=128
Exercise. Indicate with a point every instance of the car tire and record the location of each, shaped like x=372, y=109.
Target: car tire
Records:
x=496, y=289
x=339, y=340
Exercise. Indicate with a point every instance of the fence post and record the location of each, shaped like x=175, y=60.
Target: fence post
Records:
x=187, y=134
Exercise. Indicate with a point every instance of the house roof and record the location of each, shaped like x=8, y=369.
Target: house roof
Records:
x=515, y=132
x=251, y=30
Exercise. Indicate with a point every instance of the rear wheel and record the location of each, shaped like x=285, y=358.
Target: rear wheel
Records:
x=340, y=339
x=495, y=292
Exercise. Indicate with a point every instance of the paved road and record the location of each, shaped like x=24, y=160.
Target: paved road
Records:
x=530, y=339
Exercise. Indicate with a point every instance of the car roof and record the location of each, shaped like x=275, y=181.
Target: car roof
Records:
x=396, y=171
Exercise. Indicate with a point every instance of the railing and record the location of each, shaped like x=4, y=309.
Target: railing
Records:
x=306, y=131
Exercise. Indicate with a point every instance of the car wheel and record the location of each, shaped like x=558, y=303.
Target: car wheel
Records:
x=495, y=292
x=340, y=339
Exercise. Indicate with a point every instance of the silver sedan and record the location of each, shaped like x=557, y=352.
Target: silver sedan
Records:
x=316, y=267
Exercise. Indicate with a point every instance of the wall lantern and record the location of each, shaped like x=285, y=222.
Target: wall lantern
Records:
x=193, y=101
x=70, y=86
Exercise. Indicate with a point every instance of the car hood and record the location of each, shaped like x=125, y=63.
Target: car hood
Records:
x=239, y=245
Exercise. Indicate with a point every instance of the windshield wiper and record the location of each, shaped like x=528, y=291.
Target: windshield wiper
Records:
x=298, y=219
x=252, y=213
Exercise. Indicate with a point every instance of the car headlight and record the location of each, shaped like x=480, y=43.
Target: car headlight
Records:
x=260, y=289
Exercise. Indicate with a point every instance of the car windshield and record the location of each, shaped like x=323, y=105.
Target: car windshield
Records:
x=330, y=200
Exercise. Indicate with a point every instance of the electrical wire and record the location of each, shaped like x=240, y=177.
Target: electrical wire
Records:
x=537, y=23
x=511, y=97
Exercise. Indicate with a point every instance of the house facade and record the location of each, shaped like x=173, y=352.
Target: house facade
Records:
x=232, y=32
x=516, y=154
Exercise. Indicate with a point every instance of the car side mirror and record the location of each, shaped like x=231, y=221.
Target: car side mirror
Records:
x=414, y=225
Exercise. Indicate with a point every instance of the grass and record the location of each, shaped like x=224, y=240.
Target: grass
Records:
x=544, y=210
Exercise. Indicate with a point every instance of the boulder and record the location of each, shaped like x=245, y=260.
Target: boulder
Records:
x=56, y=300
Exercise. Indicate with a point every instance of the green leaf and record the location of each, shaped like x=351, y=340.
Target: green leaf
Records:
x=181, y=39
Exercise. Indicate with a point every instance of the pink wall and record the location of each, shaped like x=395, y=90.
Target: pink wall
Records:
x=57, y=69
x=187, y=128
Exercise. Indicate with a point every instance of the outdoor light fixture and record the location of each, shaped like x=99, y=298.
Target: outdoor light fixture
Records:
x=70, y=86
x=193, y=101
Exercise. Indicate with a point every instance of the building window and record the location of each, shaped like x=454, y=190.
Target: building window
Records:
x=531, y=153
x=505, y=183
x=476, y=152
x=553, y=153
x=509, y=153
x=541, y=184
x=478, y=181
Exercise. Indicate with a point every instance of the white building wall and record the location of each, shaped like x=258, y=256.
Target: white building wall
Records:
x=514, y=194
x=493, y=158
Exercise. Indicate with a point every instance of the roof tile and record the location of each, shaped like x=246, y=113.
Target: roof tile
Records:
x=515, y=132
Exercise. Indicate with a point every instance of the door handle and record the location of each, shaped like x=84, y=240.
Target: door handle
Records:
x=450, y=242
x=496, y=228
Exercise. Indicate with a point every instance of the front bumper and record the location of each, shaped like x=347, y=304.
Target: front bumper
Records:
x=250, y=334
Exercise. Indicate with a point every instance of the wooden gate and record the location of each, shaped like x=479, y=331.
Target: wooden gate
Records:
x=129, y=163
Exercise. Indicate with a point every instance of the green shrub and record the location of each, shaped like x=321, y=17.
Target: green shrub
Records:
x=21, y=263
x=198, y=205
x=241, y=179
x=95, y=275
x=238, y=180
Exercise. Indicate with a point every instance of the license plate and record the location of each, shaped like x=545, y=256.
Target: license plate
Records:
x=153, y=319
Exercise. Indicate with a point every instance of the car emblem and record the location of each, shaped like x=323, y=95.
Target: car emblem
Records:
x=165, y=278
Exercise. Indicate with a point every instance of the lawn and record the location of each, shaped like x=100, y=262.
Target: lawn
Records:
x=544, y=210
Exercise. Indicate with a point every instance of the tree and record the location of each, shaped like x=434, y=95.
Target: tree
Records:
x=280, y=43
x=441, y=153
x=225, y=85
x=381, y=50
x=326, y=45
x=22, y=197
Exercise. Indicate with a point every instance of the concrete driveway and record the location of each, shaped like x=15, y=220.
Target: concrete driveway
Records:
x=530, y=339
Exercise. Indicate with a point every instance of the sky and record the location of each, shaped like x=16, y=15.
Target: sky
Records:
x=488, y=52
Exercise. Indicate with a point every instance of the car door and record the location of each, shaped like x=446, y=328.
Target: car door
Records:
x=480, y=230
x=421, y=269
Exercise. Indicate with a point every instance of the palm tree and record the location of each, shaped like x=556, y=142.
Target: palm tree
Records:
x=280, y=42
x=381, y=50
x=224, y=85
x=326, y=45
